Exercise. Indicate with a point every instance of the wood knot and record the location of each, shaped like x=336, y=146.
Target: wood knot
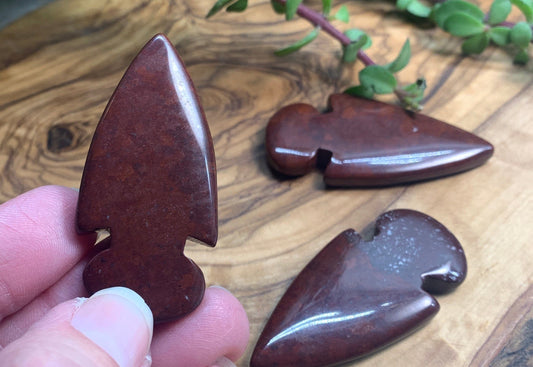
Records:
x=60, y=138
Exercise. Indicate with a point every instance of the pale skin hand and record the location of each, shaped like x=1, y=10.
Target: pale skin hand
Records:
x=41, y=262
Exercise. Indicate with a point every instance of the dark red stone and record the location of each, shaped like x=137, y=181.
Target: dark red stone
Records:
x=150, y=179
x=369, y=143
x=357, y=296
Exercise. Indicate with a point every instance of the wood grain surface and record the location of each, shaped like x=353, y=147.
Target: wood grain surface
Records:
x=60, y=64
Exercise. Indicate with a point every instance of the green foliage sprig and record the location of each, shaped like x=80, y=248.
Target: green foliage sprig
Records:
x=373, y=79
x=457, y=17
x=463, y=19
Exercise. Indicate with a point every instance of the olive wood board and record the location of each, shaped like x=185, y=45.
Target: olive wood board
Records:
x=60, y=64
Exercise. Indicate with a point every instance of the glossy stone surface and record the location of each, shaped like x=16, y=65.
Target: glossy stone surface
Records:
x=368, y=143
x=363, y=292
x=150, y=179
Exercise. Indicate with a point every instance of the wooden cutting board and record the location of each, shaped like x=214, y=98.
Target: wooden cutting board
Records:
x=60, y=64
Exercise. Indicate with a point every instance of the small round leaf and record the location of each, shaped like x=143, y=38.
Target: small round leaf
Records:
x=378, y=79
x=521, y=57
x=463, y=25
x=419, y=9
x=342, y=14
x=355, y=34
x=476, y=44
x=499, y=11
x=403, y=4
x=350, y=51
x=278, y=7
x=521, y=34
x=360, y=91
x=500, y=35
x=444, y=10
x=415, y=91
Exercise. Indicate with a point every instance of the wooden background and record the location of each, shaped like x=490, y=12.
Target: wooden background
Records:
x=60, y=64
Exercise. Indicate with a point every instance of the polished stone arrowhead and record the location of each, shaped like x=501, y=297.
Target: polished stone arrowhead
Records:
x=361, y=293
x=368, y=143
x=150, y=180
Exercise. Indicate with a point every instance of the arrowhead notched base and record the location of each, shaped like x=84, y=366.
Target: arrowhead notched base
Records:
x=171, y=284
x=150, y=179
x=369, y=143
x=358, y=296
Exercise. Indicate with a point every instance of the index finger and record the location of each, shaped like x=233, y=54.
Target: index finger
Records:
x=38, y=244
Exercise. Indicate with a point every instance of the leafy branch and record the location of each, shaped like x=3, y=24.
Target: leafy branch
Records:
x=457, y=17
x=463, y=19
x=374, y=79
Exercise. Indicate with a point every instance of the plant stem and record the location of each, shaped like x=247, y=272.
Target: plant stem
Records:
x=510, y=25
x=318, y=20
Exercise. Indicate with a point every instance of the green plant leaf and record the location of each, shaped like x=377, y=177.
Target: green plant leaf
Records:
x=414, y=93
x=476, y=44
x=500, y=35
x=446, y=9
x=378, y=79
x=526, y=7
x=417, y=8
x=463, y=25
x=326, y=7
x=217, y=7
x=414, y=7
x=402, y=59
x=416, y=90
x=360, y=41
x=521, y=57
x=342, y=14
x=354, y=34
x=403, y=4
x=521, y=34
x=299, y=44
x=350, y=51
x=291, y=6
x=360, y=91
x=278, y=8
x=239, y=6
x=499, y=11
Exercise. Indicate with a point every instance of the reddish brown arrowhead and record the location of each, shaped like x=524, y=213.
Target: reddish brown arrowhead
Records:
x=150, y=180
x=368, y=143
x=357, y=296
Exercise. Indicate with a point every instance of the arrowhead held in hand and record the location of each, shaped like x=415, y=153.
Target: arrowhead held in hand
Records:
x=150, y=180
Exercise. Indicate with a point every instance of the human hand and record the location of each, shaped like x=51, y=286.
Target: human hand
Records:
x=44, y=323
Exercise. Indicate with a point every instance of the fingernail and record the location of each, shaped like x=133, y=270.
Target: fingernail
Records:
x=223, y=362
x=118, y=321
x=147, y=361
x=219, y=287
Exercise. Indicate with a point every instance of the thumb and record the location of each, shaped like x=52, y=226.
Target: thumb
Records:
x=111, y=328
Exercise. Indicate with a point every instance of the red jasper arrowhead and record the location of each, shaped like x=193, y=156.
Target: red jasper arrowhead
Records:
x=361, y=293
x=368, y=143
x=150, y=180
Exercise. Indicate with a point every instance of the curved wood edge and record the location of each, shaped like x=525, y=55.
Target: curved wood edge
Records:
x=512, y=330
